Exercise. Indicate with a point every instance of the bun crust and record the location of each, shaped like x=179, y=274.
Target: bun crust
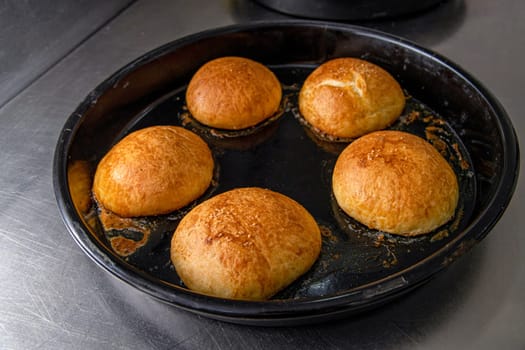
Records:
x=349, y=97
x=233, y=93
x=395, y=182
x=247, y=243
x=153, y=171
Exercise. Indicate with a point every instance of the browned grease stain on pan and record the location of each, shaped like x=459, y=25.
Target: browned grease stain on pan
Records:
x=123, y=245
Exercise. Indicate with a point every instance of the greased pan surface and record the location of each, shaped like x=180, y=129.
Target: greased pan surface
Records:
x=358, y=268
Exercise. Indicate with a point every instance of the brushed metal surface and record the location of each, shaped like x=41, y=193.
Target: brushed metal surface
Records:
x=36, y=34
x=53, y=297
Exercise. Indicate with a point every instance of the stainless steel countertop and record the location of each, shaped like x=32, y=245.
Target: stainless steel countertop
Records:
x=52, y=54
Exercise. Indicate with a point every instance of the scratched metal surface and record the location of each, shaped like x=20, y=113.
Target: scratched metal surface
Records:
x=35, y=35
x=53, y=297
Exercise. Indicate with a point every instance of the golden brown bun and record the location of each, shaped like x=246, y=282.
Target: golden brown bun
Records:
x=233, y=93
x=395, y=182
x=247, y=243
x=153, y=171
x=349, y=97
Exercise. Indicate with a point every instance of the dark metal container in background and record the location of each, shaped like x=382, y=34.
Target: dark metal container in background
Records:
x=348, y=9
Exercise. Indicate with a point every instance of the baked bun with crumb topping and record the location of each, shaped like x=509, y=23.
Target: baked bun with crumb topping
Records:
x=247, y=243
x=395, y=182
x=349, y=97
x=153, y=171
x=233, y=93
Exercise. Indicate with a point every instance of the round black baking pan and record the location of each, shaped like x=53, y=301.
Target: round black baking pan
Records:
x=358, y=268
